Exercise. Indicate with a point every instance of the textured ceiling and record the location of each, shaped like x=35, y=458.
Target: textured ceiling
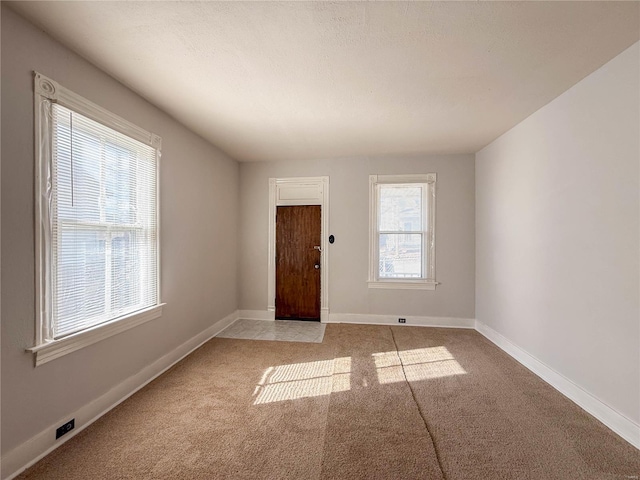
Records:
x=300, y=80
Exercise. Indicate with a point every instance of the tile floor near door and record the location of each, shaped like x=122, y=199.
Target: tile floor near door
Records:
x=280, y=330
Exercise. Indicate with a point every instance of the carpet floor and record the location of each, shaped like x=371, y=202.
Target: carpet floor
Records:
x=369, y=402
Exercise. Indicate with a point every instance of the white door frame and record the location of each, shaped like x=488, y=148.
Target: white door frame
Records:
x=300, y=191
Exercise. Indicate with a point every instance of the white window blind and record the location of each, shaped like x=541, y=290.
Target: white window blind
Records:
x=103, y=224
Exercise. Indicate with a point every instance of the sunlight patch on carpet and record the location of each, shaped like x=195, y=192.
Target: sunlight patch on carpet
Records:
x=303, y=380
x=419, y=364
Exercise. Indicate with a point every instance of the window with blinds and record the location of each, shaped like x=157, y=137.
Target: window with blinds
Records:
x=103, y=245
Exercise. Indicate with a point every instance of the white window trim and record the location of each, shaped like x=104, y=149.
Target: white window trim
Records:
x=428, y=283
x=50, y=350
x=45, y=348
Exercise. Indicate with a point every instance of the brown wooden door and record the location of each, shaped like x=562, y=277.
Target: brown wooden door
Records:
x=298, y=263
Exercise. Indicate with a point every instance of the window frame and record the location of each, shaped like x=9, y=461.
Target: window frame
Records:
x=46, y=348
x=428, y=280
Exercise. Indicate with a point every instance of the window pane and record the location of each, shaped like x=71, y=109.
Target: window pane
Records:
x=78, y=172
x=400, y=255
x=120, y=184
x=80, y=285
x=125, y=272
x=400, y=208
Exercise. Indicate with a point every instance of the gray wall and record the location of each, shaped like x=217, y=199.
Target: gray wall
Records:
x=349, y=222
x=557, y=234
x=199, y=197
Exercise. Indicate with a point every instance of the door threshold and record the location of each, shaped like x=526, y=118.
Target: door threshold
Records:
x=298, y=319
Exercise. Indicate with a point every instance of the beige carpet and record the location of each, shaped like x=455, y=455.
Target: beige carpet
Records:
x=369, y=402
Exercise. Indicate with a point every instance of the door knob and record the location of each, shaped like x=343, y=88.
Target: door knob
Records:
x=316, y=266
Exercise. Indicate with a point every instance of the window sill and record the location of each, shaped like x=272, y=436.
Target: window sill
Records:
x=53, y=349
x=404, y=285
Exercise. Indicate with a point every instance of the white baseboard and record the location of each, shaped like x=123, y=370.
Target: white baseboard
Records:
x=257, y=314
x=41, y=444
x=617, y=422
x=366, y=319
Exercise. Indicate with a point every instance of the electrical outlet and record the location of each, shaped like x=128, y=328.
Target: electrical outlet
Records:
x=66, y=428
x=402, y=320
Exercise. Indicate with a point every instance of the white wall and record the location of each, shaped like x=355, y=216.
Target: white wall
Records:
x=199, y=193
x=349, y=222
x=557, y=234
